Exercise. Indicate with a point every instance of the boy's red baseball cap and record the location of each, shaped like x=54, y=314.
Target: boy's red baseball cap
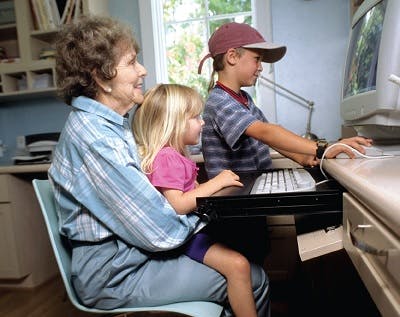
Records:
x=234, y=35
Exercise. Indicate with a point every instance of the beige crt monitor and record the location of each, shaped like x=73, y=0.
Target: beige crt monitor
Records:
x=370, y=100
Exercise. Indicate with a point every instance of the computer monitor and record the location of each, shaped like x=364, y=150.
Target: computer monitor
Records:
x=370, y=102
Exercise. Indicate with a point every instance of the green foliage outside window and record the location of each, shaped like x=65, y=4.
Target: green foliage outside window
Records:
x=361, y=76
x=188, y=25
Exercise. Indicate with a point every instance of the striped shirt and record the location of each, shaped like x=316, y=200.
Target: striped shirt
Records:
x=224, y=143
x=100, y=190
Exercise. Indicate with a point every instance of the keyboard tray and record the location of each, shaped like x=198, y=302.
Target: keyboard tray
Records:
x=327, y=198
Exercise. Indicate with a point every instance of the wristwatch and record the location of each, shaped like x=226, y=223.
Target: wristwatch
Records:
x=322, y=144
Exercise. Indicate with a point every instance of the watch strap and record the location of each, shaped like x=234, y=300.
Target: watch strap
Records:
x=322, y=144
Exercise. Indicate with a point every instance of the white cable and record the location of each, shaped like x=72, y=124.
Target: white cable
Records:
x=354, y=150
x=321, y=182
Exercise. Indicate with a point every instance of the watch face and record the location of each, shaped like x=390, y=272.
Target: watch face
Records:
x=321, y=146
x=322, y=142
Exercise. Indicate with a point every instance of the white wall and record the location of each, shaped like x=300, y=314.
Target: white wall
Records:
x=315, y=33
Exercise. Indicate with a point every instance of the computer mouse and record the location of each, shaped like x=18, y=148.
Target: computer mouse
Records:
x=370, y=151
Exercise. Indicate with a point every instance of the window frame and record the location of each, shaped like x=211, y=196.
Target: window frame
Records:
x=154, y=42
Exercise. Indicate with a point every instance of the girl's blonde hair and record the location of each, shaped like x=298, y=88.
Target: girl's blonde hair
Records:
x=162, y=120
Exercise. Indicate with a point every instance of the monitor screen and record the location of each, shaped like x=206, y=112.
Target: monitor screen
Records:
x=361, y=66
x=370, y=101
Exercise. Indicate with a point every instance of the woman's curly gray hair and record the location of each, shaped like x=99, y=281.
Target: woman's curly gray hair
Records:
x=92, y=45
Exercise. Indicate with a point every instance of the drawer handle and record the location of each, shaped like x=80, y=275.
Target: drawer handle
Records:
x=363, y=246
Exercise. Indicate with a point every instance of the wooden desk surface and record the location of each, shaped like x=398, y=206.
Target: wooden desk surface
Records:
x=38, y=168
x=30, y=168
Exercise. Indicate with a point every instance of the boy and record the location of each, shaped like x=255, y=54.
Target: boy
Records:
x=236, y=134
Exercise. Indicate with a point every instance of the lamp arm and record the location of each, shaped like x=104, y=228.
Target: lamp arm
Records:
x=309, y=103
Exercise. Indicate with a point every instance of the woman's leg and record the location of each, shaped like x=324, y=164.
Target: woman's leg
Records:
x=106, y=284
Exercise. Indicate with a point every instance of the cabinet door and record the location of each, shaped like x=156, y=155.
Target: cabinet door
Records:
x=4, y=194
x=375, y=252
x=10, y=266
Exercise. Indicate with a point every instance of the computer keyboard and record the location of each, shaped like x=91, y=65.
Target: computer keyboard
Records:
x=283, y=180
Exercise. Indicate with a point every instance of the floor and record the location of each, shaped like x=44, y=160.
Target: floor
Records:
x=48, y=300
x=326, y=287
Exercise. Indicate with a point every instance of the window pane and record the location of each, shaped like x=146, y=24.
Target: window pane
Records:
x=216, y=7
x=180, y=10
x=215, y=23
x=184, y=44
x=187, y=27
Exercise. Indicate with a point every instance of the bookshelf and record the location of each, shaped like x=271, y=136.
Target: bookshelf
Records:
x=27, y=67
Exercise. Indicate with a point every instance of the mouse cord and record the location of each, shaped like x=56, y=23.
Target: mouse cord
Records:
x=351, y=148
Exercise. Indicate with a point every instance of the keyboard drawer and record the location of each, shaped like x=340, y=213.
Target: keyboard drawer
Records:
x=234, y=201
x=375, y=252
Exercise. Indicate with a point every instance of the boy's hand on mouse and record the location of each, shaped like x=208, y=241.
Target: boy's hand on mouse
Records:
x=227, y=178
x=354, y=142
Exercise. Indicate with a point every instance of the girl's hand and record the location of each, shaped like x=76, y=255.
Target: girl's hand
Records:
x=227, y=178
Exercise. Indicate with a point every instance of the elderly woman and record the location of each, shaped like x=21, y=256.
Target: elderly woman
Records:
x=122, y=230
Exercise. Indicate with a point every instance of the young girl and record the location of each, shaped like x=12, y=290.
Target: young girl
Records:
x=236, y=134
x=167, y=121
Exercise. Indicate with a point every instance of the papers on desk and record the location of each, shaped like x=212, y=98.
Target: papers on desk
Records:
x=26, y=159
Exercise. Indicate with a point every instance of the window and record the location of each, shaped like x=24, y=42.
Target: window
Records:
x=175, y=35
x=187, y=26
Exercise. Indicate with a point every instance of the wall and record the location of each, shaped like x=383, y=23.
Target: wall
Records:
x=315, y=33
x=29, y=117
x=43, y=115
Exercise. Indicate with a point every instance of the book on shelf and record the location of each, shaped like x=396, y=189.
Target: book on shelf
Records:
x=46, y=14
x=72, y=11
x=38, y=24
x=50, y=14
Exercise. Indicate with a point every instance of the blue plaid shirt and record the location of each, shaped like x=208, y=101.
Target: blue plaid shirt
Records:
x=100, y=190
x=224, y=143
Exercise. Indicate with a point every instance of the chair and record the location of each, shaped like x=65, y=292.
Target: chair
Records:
x=62, y=254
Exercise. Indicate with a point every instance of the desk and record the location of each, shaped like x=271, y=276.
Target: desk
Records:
x=371, y=220
x=26, y=257
x=22, y=169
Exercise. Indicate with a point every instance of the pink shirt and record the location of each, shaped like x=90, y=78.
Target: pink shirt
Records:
x=173, y=170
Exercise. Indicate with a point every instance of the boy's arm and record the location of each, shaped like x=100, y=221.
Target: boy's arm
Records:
x=302, y=159
x=280, y=138
x=300, y=149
